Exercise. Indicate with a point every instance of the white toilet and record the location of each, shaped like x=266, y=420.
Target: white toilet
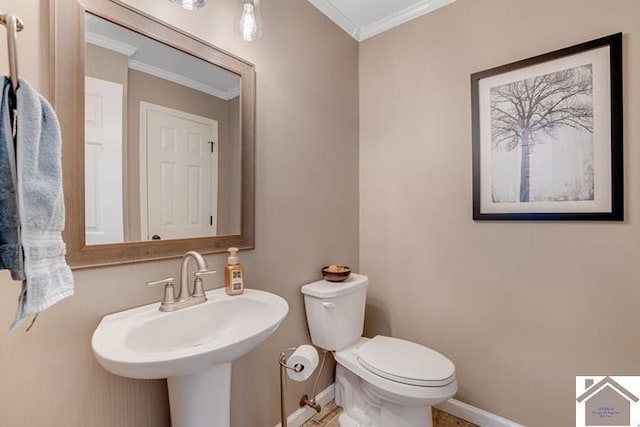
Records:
x=380, y=382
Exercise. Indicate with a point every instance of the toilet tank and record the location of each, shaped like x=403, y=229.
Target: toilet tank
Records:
x=335, y=311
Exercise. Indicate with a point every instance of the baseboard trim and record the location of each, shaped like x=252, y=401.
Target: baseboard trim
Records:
x=454, y=407
x=475, y=415
x=302, y=415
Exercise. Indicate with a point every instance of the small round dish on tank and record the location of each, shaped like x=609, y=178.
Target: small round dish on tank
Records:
x=336, y=273
x=382, y=381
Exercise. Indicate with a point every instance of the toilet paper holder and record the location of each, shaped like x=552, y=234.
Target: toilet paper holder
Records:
x=305, y=400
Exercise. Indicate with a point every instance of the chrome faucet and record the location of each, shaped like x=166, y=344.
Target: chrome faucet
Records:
x=185, y=298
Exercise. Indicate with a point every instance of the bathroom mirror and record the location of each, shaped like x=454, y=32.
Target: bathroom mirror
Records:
x=158, y=137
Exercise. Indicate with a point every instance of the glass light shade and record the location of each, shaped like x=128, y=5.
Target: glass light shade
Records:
x=190, y=4
x=249, y=23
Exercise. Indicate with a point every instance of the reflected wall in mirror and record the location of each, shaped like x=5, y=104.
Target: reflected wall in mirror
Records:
x=162, y=140
x=163, y=161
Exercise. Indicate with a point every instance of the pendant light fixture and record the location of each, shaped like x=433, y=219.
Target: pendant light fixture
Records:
x=190, y=4
x=249, y=24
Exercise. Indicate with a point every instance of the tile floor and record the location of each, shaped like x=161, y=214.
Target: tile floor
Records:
x=328, y=417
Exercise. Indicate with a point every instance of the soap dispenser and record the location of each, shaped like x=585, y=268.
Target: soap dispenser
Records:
x=233, y=274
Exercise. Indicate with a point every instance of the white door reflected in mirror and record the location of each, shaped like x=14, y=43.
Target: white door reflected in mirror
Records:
x=179, y=185
x=103, y=161
x=167, y=162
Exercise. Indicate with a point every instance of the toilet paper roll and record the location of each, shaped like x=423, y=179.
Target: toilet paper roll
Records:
x=306, y=357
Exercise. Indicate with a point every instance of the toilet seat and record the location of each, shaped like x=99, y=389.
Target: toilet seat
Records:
x=405, y=362
x=400, y=393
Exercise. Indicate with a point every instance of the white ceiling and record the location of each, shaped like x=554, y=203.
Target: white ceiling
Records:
x=152, y=57
x=362, y=19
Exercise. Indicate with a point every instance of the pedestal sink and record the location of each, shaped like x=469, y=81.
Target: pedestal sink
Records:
x=193, y=348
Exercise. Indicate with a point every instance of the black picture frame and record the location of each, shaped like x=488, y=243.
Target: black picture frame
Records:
x=570, y=161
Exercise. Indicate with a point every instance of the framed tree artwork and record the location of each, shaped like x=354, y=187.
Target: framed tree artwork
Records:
x=547, y=136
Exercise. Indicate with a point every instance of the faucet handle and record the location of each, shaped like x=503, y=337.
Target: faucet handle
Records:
x=167, y=280
x=204, y=272
x=169, y=293
x=198, y=289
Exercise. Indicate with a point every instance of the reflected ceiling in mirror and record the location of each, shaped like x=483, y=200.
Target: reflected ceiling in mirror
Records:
x=162, y=140
x=158, y=137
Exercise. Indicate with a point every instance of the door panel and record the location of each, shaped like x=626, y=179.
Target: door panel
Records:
x=181, y=173
x=103, y=162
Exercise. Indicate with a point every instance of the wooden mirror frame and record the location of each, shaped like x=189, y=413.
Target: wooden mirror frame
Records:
x=67, y=97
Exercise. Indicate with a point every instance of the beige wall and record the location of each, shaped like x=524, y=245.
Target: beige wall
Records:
x=520, y=307
x=233, y=188
x=105, y=64
x=306, y=217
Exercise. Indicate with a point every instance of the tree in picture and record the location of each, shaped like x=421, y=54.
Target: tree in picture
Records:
x=542, y=137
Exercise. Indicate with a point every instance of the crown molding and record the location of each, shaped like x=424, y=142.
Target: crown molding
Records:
x=336, y=15
x=129, y=50
x=363, y=32
x=109, y=43
x=401, y=17
x=181, y=80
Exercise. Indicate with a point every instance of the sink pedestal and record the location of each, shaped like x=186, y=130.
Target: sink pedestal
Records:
x=201, y=399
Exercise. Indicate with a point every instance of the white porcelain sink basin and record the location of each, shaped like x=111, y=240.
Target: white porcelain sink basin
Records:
x=144, y=342
x=192, y=347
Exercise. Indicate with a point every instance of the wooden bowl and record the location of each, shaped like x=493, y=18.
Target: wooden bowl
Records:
x=336, y=273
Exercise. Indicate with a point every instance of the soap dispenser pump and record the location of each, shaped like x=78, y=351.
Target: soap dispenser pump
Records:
x=233, y=274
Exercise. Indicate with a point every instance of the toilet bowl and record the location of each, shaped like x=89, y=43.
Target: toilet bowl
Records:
x=382, y=381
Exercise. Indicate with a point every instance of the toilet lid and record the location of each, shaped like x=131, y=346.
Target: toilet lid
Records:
x=406, y=362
